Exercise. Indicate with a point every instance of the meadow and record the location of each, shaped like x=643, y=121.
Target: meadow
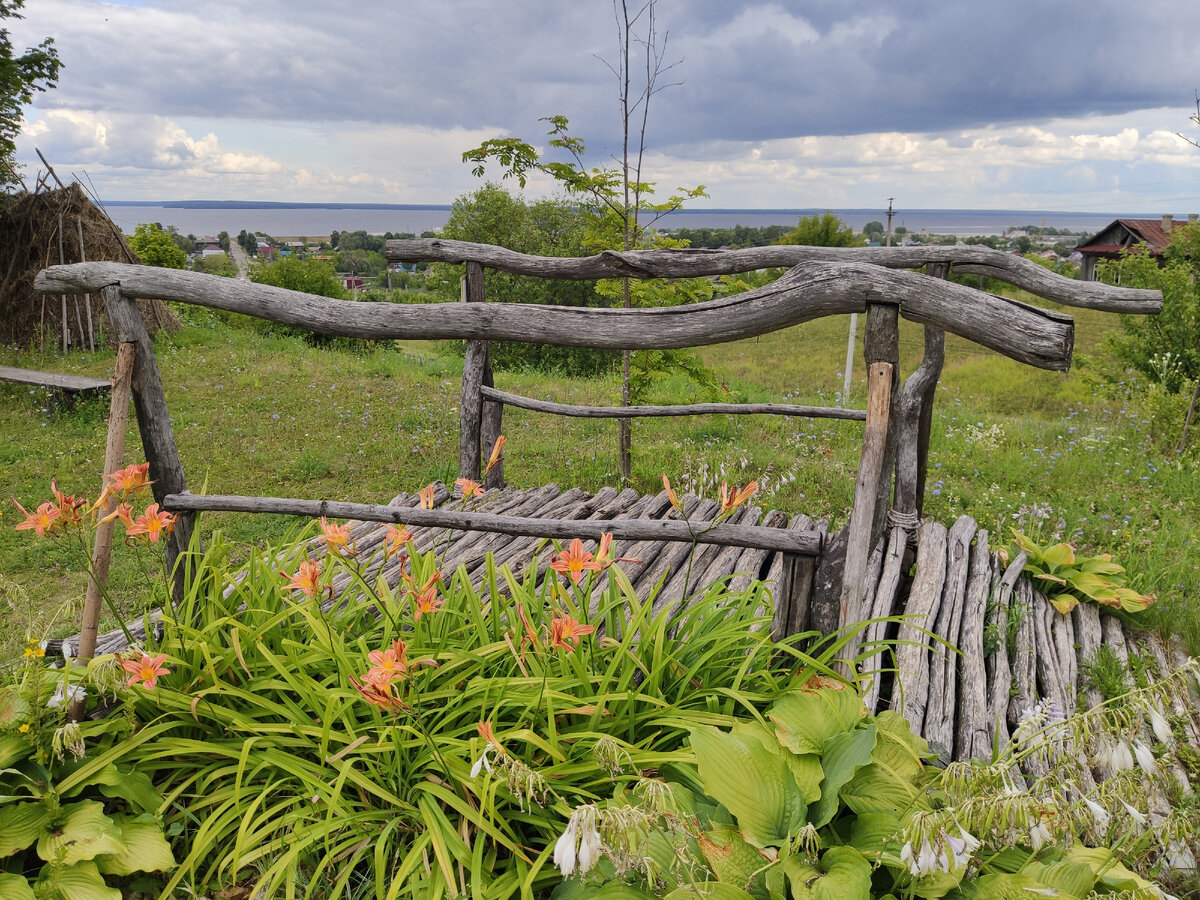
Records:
x=260, y=413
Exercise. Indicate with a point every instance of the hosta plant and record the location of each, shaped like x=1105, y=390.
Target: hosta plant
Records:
x=1066, y=576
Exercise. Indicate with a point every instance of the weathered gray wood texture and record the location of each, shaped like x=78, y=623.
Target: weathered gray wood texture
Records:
x=809, y=291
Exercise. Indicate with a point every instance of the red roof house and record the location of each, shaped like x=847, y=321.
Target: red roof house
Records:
x=1125, y=234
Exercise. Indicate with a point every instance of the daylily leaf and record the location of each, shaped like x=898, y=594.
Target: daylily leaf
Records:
x=754, y=784
x=21, y=825
x=82, y=831
x=844, y=755
x=805, y=719
x=146, y=849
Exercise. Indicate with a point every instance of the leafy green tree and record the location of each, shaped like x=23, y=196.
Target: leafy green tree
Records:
x=20, y=76
x=1165, y=348
x=312, y=276
x=874, y=231
x=223, y=240
x=215, y=264
x=491, y=215
x=825, y=230
x=156, y=247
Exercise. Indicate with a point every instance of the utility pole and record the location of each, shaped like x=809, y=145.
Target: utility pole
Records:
x=844, y=397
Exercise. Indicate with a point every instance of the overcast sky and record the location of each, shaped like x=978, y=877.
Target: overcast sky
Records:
x=977, y=104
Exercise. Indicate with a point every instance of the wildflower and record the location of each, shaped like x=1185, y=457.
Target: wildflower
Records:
x=72, y=694
x=1115, y=755
x=1100, y=815
x=146, y=670
x=336, y=538
x=24, y=729
x=469, y=488
x=388, y=664
x=126, y=481
x=564, y=630
x=34, y=649
x=68, y=507
x=1144, y=757
x=671, y=495
x=1039, y=835
x=40, y=521
x=394, y=539
x=573, y=561
x=153, y=524
x=495, y=459
x=605, y=548
x=308, y=579
x=492, y=744
x=732, y=500
x=580, y=844
x=426, y=495
x=1138, y=817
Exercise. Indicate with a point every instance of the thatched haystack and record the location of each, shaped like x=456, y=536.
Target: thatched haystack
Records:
x=43, y=229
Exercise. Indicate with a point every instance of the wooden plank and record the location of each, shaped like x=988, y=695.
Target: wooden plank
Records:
x=973, y=734
x=68, y=383
x=1023, y=665
x=915, y=410
x=690, y=577
x=881, y=344
x=1062, y=633
x=1050, y=681
x=999, y=674
x=689, y=263
x=910, y=693
x=795, y=580
x=748, y=566
x=672, y=557
x=883, y=605
x=1028, y=334
x=1086, y=618
x=683, y=409
x=942, y=708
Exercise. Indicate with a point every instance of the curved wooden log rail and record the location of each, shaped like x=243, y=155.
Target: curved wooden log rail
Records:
x=807, y=291
x=689, y=263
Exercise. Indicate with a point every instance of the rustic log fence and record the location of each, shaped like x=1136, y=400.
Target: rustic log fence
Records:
x=850, y=577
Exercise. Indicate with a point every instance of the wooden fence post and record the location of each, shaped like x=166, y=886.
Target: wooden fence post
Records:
x=912, y=428
x=118, y=421
x=881, y=344
x=476, y=364
x=154, y=422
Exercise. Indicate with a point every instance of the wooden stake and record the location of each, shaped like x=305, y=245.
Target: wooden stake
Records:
x=87, y=298
x=118, y=422
x=870, y=468
x=470, y=405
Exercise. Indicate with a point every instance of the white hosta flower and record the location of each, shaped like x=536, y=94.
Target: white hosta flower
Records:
x=1039, y=835
x=1144, y=757
x=1100, y=815
x=580, y=845
x=74, y=692
x=1138, y=817
x=1115, y=755
x=1160, y=726
x=482, y=762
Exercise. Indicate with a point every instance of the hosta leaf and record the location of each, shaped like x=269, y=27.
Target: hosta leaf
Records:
x=130, y=785
x=1109, y=872
x=1073, y=878
x=1064, y=603
x=805, y=767
x=13, y=707
x=871, y=833
x=844, y=755
x=81, y=881
x=146, y=849
x=1025, y=543
x=1053, y=579
x=1090, y=585
x=15, y=887
x=1006, y=886
x=754, y=784
x=730, y=857
x=847, y=874
x=806, y=718
x=710, y=890
x=1100, y=565
x=12, y=748
x=21, y=824
x=1059, y=555
x=1132, y=601
x=80, y=832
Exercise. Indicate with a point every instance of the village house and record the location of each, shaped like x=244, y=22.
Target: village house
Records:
x=1125, y=234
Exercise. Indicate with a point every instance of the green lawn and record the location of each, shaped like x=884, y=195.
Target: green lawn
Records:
x=258, y=414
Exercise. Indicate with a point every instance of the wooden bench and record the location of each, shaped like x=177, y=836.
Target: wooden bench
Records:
x=68, y=387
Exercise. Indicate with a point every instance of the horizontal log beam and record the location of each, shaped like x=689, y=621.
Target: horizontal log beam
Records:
x=809, y=291
x=690, y=409
x=802, y=543
x=690, y=263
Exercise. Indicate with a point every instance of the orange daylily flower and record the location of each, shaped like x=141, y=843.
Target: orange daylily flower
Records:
x=671, y=495
x=486, y=732
x=426, y=495
x=153, y=524
x=495, y=459
x=605, y=548
x=379, y=695
x=425, y=598
x=41, y=521
x=388, y=664
x=573, y=561
x=469, y=488
x=124, y=512
x=394, y=539
x=68, y=507
x=125, y=481
x=564, y=630
x=146, y=670
x=336, y=537
x=308, y=579
x=731, y=501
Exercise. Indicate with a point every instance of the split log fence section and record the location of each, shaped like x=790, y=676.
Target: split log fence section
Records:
x=820, y=282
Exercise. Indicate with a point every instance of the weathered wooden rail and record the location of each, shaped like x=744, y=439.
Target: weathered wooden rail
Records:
x=819, y=282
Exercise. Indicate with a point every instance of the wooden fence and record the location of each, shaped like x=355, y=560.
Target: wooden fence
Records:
x=819, y=282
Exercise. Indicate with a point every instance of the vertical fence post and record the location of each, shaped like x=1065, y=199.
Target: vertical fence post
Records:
x=476, y=364
x=929, y=394
x=154, y=422
x=881, y=343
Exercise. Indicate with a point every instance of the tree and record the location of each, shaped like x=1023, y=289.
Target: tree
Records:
x=223, y=240
x=215, y=264
x=874, y=231
x=825, y=230
x=156, y=247
x=20, y=76
x=312, y=276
